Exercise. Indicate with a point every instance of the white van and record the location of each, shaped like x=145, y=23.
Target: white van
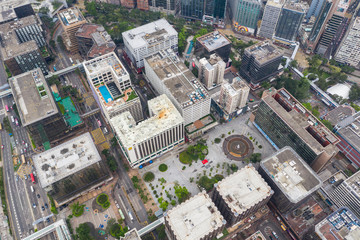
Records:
x=32, y=188
x=12, y=119
x=130, y=216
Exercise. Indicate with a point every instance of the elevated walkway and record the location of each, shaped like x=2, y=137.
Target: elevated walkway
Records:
x=151, y=226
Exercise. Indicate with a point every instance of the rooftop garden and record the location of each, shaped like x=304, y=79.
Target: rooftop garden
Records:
x=131, y=95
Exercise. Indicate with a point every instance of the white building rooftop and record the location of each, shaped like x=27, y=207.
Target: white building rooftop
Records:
x=104, y=63
x=340, y=89
x=70, y=16
x=243, y=189
x=213, y=40
x=164, y=116
x=291, y=174
x=195, y=218
x=33, y=97
x=149, y=34
x=65, y=159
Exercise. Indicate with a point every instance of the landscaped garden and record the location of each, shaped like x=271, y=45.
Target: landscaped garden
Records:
x=103, y=200
x=194, y=153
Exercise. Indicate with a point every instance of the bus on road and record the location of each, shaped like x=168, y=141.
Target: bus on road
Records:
x=6, y=108
x=121, y=214
x=23, y=159
x=99, y=122
x=32, y=178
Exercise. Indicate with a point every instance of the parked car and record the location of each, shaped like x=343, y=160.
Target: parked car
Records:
x=38, y=195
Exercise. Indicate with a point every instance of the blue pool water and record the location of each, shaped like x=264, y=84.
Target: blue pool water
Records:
x=105, y=93
x=190, y=47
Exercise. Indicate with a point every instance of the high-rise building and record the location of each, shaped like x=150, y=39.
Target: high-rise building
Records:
x=128, y=3
x=142, y=4
x=71, y=20
x=214, y=42
x=270, y=18
x=246, y=13
x=170, y=76
x=94, y=41
x=241, y=194
x=233, y=97
x=193, y=9
x=348, y=131
x=285, y=122
x=152, y=137
x=148, y=39
x=37, y=108
x=314, y=9
x=15, y=9
x=348, y=52
x=196, y=218
x=20, y=42
x=335, y=29
x=165, y=6
x=111, y=87
x=291, y=178
x=211, y=71
x=340, y=225
x=71, y=169
x=347, y=194
x=260, y=61
x=289, y=22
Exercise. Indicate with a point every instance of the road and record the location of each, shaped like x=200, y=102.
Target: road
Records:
x=18, y=189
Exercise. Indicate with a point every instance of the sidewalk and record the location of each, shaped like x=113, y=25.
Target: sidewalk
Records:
x=4, y=226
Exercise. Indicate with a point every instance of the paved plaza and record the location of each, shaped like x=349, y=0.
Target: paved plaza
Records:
x=218, y=163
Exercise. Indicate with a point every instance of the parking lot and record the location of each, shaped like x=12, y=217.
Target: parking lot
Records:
x=218, y=163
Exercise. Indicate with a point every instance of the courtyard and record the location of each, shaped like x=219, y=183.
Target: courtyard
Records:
x=217, y=164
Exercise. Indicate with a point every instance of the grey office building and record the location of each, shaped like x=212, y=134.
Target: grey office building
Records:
x=270, y=18
x=289, y=22
x=193, y=9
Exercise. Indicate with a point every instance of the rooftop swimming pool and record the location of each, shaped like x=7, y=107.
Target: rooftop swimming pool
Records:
x=106, y=94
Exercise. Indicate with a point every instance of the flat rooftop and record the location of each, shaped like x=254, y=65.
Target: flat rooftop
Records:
x=102, y=42
x=295, y=6
x=131, y=235
x=291, y=174
x=338, y=114
x=264, y=51
x=195, y=218
x=350, y=130
x=165, y=116
x=243, y=189
x=65, y=159
x=353, y=184
x=112, y=97
x=10, y=45
x=70, y=16
x=236, y=85
x=7, y=11
x=318, y=137
x=213, y=41
x=178, y=78
x=149, y=34
x=107, y=62
x=33, y=97
x=340, y=225
x=275, y=3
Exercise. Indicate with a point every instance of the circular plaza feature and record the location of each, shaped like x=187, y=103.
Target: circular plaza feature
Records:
x=237, y=147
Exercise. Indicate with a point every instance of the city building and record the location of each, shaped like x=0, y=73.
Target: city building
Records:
x=148, y=39
x=348, y=131
x=260, y=61
x=348, y=52
x=14, y=9
x=128, y=3
x=340, y=225
x=142, y=5
x=151, y=138
x=21, y=40
x=193, y=9
x=165, y=6
x=71, y=20
x=196, y=218
x=111, y=87
x=314, y=9
x=71, y=169
x=338, y=114
x=170, y=76
x=270, y=18
x=94, y=41
x=131, y=235
x=241, y=194
x=291, y=178
x=347, y=194
x=211, y=71
x=234, y=96
x=59, y=229
x=285, y=122
x=245, y=14
x=37, y=109
x=335, y=29
x=289, y=22
x=214, y=42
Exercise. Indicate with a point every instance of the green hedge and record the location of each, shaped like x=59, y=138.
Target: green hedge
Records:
x=149, y=177
x=163, y=167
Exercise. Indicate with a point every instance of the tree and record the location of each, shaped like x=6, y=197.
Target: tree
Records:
x=182, y=193
x=255, y=157
x=294, y=63
x=115, y=229
x=354, y=92
x=114, y=142
x=328, y=124
x=83, y=232
x=44, y=10
x=265, y=84
x=77, y=209
x=54, y=80
x=105, y=152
